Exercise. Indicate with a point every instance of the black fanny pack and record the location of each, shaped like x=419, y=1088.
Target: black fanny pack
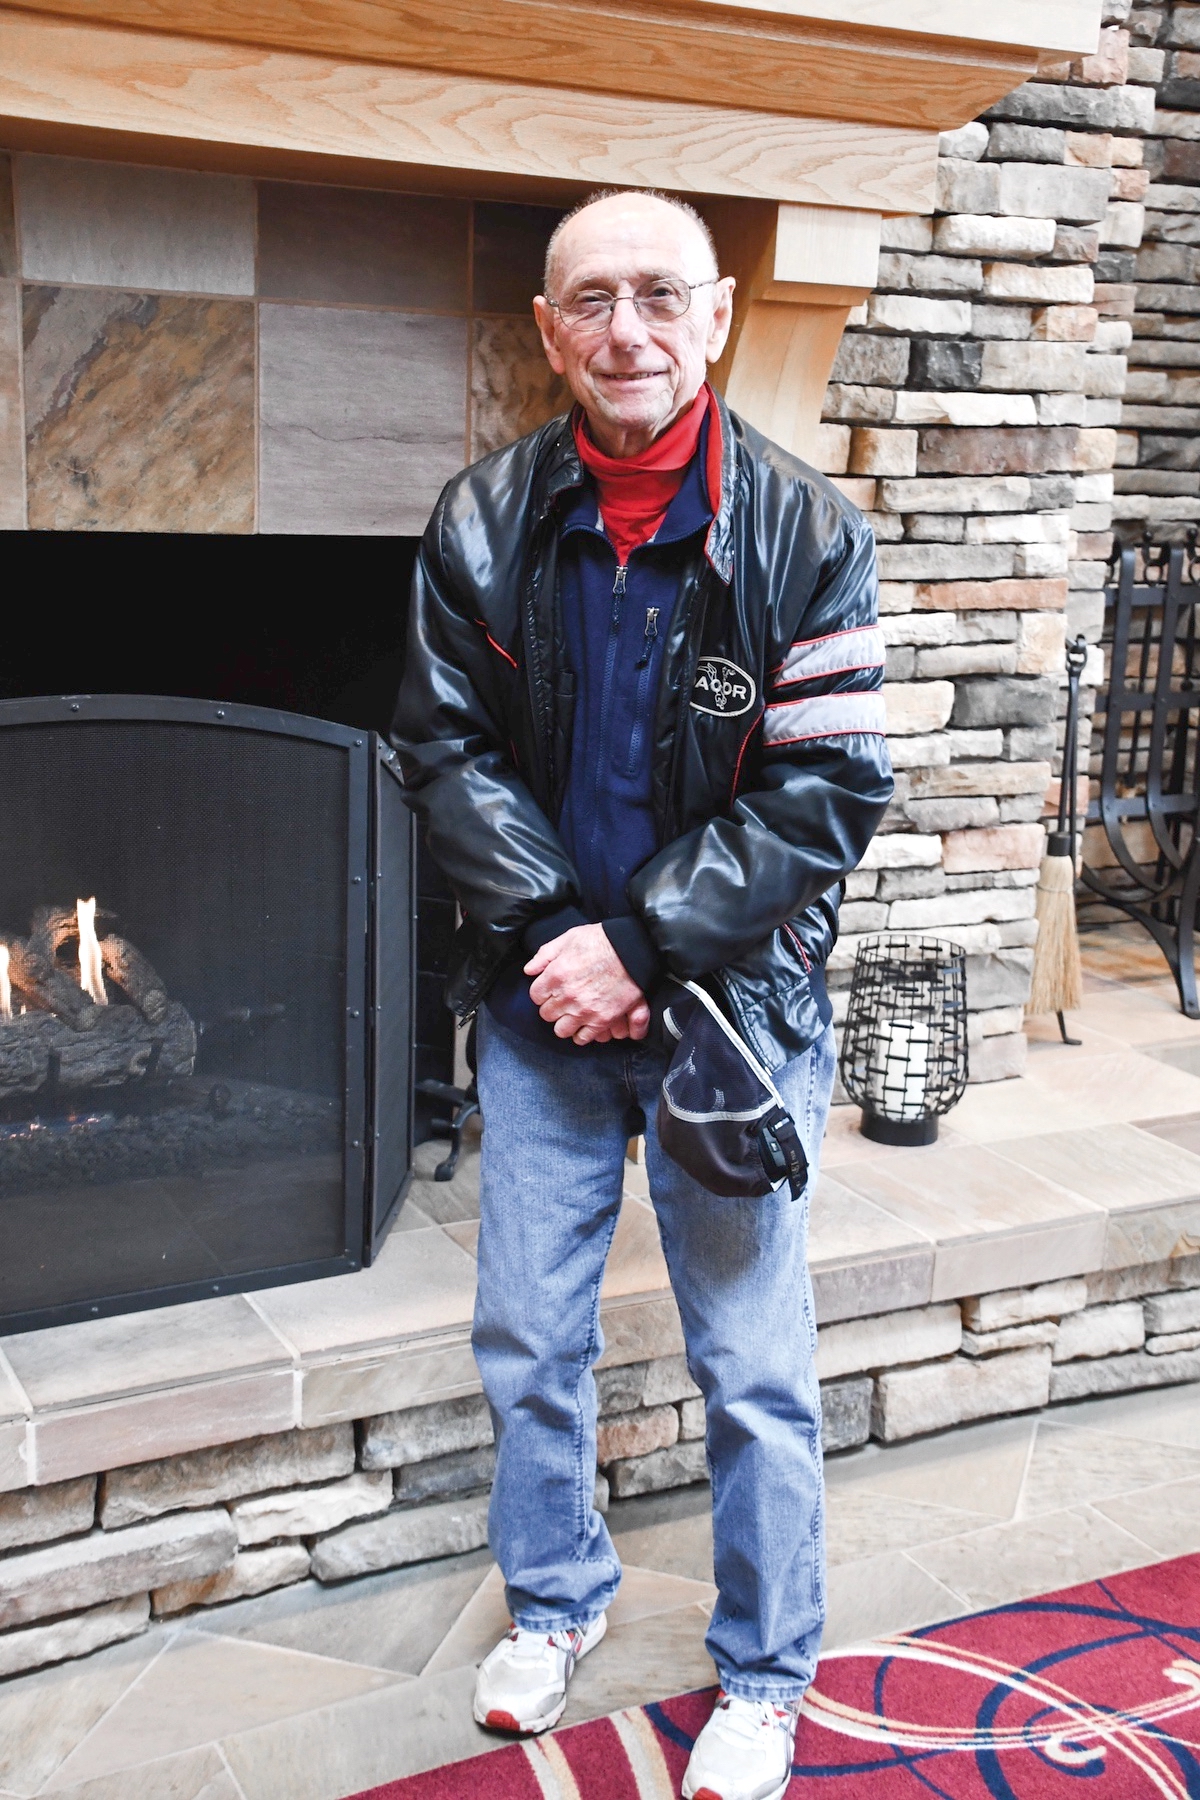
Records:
x=720, y=1116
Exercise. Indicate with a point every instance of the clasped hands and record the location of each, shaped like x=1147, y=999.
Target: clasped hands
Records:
x=581, y=987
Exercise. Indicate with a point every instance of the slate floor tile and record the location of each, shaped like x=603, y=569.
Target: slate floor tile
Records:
x=981, y=1466
x=1032, y=1556
x=1168, y=1416
x=378, y=1737
x=194, y=1775
x=880, y=1594
x=394, y=1621
x=861, y=1524
x=46, y=1714
x=202, y=1688
x=1167, y=1518
x=1070, y=1464
x=671, y=1532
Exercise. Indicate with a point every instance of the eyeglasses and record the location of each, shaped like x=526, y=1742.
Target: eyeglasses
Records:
x=655, y=301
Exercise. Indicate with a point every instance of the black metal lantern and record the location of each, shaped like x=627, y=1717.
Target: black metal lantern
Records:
x=904, y=1045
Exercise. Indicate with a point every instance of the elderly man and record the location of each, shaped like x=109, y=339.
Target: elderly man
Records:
x=641, y=720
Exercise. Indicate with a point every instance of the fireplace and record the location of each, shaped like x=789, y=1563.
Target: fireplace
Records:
x=206, y=992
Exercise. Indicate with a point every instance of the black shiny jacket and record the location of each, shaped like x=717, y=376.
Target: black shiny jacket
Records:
x=770, y=769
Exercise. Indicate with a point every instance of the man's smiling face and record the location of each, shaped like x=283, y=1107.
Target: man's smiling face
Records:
x=637, y=376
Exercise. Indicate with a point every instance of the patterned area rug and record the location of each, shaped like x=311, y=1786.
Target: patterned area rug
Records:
x=1088, y=1694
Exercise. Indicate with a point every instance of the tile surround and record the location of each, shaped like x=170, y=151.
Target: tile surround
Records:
x=362, y=418
x=513, y=387
x=141, y=394
x=139, y=411
x=509, y=252
x=1152, y=1234
x=101, y=224
x=8, y=225
x=362, y=247
x=352, y=1387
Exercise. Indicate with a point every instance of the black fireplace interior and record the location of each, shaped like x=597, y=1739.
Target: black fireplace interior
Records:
x=313, y=625
x=208, y=1138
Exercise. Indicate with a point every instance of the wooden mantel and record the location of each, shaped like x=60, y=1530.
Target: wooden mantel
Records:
x=795, y=123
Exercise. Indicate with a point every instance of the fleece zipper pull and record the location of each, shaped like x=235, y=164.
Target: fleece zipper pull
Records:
x=618, y=594
x=648, y=640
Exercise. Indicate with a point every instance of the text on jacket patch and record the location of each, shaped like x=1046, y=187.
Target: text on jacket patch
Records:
x=722, y=688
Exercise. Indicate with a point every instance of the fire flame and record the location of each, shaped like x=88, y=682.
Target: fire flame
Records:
x=91, y=969
x=5, y=985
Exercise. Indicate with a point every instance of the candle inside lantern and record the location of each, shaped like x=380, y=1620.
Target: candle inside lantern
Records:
x=5, y=985
x=906, y=1068
x=91, y=968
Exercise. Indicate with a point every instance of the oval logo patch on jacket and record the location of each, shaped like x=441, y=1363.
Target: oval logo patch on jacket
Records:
x=722, y=688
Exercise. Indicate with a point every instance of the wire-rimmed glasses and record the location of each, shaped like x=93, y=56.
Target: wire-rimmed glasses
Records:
x=656, y=301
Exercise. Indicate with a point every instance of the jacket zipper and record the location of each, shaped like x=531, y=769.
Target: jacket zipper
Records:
x=610, y=658
x=640, y=699
x=648, y=641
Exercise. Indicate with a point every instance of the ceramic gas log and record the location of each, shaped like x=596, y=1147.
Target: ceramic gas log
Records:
x=61, y=1028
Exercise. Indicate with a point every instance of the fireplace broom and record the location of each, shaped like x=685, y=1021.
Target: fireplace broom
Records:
x=1057, y=984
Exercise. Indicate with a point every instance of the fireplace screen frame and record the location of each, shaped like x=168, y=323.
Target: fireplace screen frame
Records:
x=380, y=960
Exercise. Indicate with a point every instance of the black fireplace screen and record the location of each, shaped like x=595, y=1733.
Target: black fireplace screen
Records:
x=206, y=929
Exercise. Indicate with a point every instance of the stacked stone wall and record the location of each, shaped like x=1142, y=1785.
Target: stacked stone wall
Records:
x=88, y=1562
x=1158, y=454
x=973, y=415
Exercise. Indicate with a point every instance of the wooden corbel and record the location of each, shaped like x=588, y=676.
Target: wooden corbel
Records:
x=799, y=270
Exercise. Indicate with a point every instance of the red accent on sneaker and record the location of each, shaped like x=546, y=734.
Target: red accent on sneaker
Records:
x=706, y=1794
x=502, y=1721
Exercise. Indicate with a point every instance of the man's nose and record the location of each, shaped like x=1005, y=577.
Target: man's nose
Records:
x=626, y=327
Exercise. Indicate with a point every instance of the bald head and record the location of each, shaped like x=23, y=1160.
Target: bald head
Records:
x=610, y=218
x=633, y=363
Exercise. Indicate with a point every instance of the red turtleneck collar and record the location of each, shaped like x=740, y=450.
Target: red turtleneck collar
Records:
x=635, y=491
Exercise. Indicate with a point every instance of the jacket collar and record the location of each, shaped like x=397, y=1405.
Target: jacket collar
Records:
x=690, y=509
x=561, y=469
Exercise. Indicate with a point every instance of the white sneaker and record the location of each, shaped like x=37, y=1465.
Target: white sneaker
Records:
x=522, y=1684
x=743, y=1753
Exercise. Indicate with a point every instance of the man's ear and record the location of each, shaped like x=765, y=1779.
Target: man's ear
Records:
x=547, y=324
x=722, y=318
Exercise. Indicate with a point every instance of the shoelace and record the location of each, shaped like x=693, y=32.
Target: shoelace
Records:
x=530, y=1645
x=750, y=1716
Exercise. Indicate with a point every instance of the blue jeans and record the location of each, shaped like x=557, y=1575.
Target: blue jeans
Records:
x=555, y=1132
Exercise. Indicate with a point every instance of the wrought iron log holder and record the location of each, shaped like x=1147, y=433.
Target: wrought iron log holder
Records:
x=1149, y=791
